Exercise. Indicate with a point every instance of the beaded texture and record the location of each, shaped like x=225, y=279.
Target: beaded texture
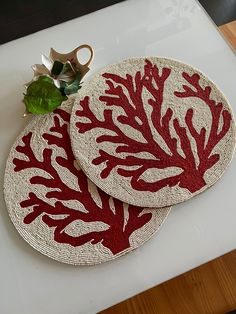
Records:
x=152, y=132
x=60, y=212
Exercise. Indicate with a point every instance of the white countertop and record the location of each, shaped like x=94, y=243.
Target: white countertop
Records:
x=195, y=232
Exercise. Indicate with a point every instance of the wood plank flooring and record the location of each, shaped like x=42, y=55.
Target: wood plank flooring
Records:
x=229, y=32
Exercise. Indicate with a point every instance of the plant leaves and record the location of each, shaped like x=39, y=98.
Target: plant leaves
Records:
x=74, y=86
x=43, y=96
x=63, y=72
x=57, y=68
x=67, y=68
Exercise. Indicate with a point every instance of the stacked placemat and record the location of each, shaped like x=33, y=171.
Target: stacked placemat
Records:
x=97, y=177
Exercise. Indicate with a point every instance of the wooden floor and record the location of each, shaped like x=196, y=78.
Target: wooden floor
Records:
x=229, y=32
x=208, y=289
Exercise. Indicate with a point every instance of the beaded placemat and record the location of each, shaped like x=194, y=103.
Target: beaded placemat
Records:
x=152, y=132
x=60, y=212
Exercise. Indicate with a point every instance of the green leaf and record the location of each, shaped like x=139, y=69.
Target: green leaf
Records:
x=57, y=68
x=67, y=68
x=45, y=78
x=74, y=86
x=60, y=70
x=43, y=96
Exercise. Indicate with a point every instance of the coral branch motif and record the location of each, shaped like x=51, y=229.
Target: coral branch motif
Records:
x=121, y=222
x=175, y=149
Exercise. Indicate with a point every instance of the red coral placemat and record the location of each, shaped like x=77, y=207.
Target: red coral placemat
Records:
x=57, y=210
x=152, y=132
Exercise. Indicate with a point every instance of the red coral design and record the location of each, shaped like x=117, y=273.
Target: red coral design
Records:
x=153, y=80
x=116, y=237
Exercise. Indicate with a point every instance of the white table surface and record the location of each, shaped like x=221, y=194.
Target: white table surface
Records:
x=195, y=232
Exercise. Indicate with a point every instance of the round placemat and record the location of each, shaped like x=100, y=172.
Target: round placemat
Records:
x=152, y=132
x=57, y=210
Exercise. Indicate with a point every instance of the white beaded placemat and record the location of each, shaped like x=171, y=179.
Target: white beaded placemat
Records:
x=152, y=132
x=60, y=212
